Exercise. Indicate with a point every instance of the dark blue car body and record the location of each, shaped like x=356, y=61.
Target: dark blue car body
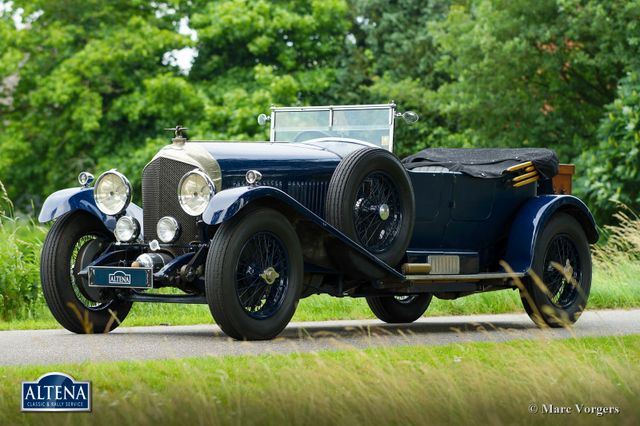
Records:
x=488, y=227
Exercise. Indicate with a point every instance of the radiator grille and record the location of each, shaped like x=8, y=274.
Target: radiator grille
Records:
x=311, y=194
x=160, y=198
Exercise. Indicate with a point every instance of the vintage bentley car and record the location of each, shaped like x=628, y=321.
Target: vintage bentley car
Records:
x=325, y=206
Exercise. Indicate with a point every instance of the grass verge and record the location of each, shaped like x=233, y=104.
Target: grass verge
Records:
x=475, y=383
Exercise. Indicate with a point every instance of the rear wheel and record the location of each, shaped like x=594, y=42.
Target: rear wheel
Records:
x=73, y=242
x=370, y=198
x=254, y=274
x=562, y=265
x=399, y=309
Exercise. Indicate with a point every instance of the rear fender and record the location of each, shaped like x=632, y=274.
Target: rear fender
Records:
x=338, y=247
x=531, y=220
x=72, y=199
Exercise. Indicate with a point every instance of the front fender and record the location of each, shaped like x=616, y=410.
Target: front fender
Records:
x=71, y=199
x=531, y=220
x=226, y=204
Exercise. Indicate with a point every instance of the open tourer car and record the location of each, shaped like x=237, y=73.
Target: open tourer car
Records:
x=325, y=206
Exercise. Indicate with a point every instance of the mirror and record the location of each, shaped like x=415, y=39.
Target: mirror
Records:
x=410, y=117
x=263, y=118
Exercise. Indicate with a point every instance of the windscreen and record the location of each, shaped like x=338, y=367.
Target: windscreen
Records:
x=373, y=125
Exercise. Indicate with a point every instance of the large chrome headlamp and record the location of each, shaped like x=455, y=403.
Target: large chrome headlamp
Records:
x=194, y=192
x=112, y=192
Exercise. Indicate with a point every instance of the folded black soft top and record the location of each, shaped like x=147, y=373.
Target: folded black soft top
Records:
x=489, y=163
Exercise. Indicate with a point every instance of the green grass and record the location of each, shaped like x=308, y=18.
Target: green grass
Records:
x=613, y=288
x=475, y=383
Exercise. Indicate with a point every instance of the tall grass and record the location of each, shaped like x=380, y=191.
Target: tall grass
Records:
x=622, y=240
x=481, y=383
x=20, y=243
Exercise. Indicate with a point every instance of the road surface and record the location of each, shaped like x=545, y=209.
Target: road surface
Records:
x=39, y=347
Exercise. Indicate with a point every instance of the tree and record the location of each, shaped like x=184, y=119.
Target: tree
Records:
x=612, y=169
x=252, y=54
x=393, y=56
x=90, y=81
x=535, y=73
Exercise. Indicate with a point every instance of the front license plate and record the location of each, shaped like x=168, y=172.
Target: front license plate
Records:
x=108, y=276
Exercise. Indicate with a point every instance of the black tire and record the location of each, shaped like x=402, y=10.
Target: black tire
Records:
x=353, y=202
x=74, y=305
x=234, y=266
x=552, y=300
x=399, y=309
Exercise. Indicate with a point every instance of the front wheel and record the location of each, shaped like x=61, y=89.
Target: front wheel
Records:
x=254, y=274
x=557, y=292
x=73, y=242
x=399, y=309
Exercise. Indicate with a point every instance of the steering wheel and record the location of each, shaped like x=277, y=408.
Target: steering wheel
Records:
x=310, y=134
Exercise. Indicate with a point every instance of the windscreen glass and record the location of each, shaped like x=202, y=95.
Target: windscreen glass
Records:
x=371, y=125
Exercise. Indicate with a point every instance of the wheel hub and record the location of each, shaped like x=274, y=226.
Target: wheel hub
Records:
x=383, y=211
x=270, y=275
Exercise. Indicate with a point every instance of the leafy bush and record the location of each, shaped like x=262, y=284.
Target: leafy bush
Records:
x=612, y=170
x=19, y=251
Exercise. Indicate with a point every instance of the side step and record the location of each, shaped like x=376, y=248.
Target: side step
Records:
x=426, y=279
x=166, y=298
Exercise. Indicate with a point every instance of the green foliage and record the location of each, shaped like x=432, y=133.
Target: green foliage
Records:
x=612, y=169
x=87, y=71
x=86, y=84
x=19, y=252
x=252, y=54
x=393, y=57
x=535, y=73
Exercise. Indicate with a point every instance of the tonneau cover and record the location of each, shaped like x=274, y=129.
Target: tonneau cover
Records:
x=488, y=163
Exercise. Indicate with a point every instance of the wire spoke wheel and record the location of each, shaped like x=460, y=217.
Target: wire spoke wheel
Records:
x=74, y=241
x=405, y=300
x=262, y=275
x=370, y=199
x=79, y=259
x=254, y=274
x=397, y=309
x=562, y=271
x=562, y=261
x=377, y=213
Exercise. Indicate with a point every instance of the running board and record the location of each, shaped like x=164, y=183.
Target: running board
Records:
x=426, y=279
x=166, y=298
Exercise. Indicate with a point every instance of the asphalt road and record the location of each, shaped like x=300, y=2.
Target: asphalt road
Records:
x=34, y=347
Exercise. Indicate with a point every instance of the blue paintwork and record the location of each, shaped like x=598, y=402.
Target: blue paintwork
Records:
x=531, y=220
x=271, y=158
x=226, y=204
x=276, y=161
x=455, y=211
x=71, y=199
